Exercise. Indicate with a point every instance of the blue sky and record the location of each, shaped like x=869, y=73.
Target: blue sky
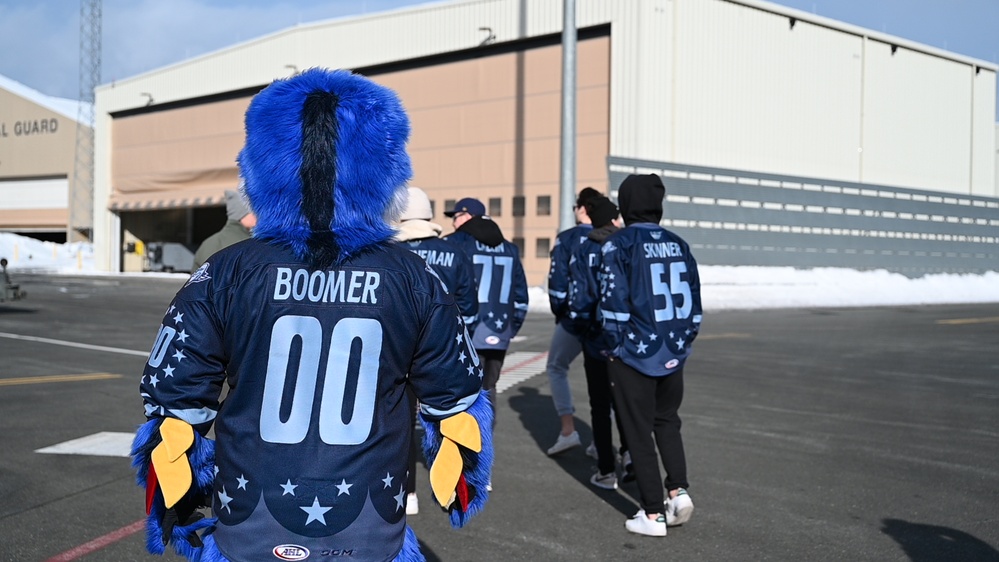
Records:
x=39, y=39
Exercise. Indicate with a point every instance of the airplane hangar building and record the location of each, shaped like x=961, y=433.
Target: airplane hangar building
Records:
x=716, y=95
x=38, y=137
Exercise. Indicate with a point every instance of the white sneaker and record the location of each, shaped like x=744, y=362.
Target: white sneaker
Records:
x=564, y=443
x=606, y=481
x=591, y=451
x=642, y=525
x=412, y=504
x=679, y=509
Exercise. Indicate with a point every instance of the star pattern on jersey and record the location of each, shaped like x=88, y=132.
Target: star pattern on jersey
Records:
x=316, y=511
x=465, y=353
x=343, y=487
x=387, y=480
x=224, y=500
x=242, y=482
x=173, y=350
x=399, y=498
x=288, y=488
x=641, y=347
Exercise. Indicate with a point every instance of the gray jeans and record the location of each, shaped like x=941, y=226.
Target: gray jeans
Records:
x=564, y=348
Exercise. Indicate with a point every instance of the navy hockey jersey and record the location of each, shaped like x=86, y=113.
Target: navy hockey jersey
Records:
x=451, y=263
x=558, y=273
x=312, y=435
x=587, y=282
x=650, y=298
x=502, y=290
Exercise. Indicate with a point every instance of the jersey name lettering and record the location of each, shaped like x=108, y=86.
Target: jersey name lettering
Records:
x=493, y=249
x=357, y=287
x=662, y=250
x=433, y=257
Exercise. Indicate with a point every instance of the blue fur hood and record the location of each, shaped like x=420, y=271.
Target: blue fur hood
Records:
x=325, y=164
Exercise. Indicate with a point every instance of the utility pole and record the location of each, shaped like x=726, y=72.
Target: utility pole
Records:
x=81, y=196
x=567, y=219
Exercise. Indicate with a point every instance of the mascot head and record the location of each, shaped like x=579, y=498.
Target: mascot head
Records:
x=325, y=164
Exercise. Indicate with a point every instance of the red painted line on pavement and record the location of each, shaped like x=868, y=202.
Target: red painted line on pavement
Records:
x=99, y=543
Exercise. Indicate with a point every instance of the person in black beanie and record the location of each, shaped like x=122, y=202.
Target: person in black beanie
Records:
x=584, y=296
x=651, y=312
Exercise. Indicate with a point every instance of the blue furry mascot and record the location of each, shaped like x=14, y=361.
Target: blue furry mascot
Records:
x=316, y=325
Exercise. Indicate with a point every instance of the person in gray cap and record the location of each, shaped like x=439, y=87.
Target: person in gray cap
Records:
x=239, y=220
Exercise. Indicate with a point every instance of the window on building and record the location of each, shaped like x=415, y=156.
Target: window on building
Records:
x=542, y=247
x=518, y=241
x=433, y=208
x=449, y=204
x=495, y=206
x=544, y=205
x=518, y=205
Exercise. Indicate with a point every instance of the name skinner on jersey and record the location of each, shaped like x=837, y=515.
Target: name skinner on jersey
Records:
x=662, y=250
x=327, y=286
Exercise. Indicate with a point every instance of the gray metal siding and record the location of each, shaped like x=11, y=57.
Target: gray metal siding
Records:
x=733, y=217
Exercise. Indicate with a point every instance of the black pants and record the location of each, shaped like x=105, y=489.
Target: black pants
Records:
x=647, y=410
x=599, y=389
x=491, y=362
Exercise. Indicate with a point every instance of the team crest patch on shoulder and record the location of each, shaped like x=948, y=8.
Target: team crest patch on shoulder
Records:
x=607, y=248
x=199, y=276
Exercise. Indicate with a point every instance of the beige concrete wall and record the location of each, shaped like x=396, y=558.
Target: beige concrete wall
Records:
x=486, y=127
x=490, y=128
x=36, y=143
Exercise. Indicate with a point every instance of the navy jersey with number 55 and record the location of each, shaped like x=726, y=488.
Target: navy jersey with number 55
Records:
x=310, y=433
x=650, y=298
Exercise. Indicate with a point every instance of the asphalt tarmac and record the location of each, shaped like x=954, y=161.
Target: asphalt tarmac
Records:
x=811, y=434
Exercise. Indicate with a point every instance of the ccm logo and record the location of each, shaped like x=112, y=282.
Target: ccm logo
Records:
x=291, y=552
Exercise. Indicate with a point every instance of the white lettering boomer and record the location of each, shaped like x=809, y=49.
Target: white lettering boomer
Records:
x=326, y=286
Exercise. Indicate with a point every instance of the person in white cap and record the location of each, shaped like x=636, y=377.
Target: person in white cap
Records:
x=422, y=237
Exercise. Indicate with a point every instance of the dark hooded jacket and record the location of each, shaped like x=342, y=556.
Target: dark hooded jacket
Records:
x=499, y=276
x=640, y=199
x=650, y=304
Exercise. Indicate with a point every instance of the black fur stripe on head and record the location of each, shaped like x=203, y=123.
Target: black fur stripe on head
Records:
x=318, y=173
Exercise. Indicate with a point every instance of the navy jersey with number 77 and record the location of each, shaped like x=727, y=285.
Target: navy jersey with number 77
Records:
x=650, y=298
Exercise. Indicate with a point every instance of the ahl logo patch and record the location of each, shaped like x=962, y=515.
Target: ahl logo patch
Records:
x=492, y=340
x=672, y=363
x=291, y=552
x=656, y=235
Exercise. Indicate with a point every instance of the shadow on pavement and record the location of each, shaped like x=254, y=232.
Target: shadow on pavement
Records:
x=538, y=417
x=926, y=543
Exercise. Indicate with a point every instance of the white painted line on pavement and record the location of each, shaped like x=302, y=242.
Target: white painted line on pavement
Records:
x=520, y=366
x=74, y=344
x=103, y=444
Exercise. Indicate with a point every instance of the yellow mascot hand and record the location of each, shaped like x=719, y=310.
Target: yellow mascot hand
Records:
x=460, y=429
x=169, y=458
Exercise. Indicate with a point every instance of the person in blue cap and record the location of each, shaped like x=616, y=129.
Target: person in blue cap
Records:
x=501, y=283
